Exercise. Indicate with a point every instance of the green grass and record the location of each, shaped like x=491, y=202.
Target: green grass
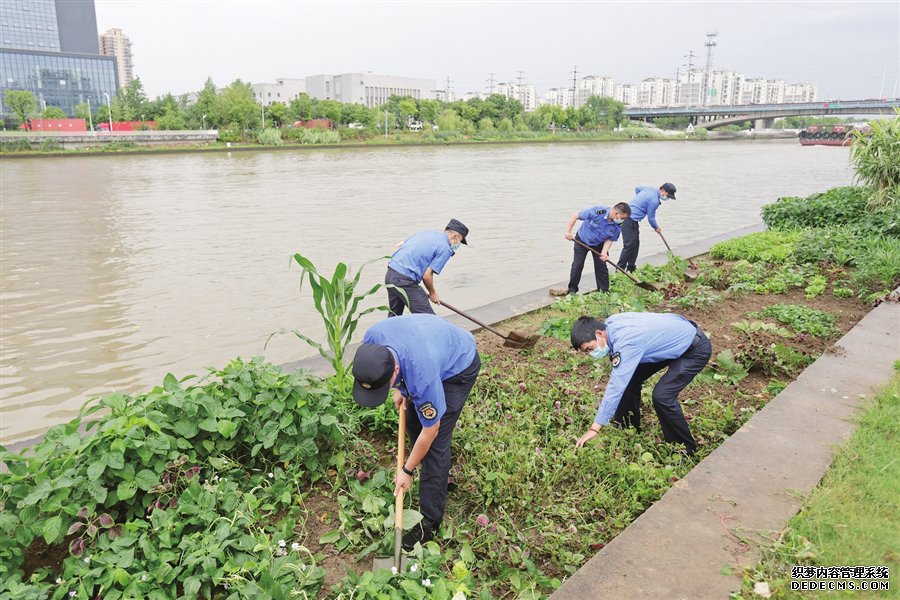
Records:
x=851, y=518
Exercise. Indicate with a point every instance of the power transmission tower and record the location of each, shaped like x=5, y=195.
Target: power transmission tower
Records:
x=574, y=84
x=519, y=77
x=710, y=44
x=447, y=90
x=491, y=81
x=690, y=74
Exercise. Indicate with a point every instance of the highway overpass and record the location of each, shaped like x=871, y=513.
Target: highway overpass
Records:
x=710, y=117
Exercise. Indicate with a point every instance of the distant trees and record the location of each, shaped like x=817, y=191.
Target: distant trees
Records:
x=234, y=108
x=22, y=103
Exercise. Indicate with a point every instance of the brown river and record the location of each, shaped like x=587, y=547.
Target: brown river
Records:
x=115, y=270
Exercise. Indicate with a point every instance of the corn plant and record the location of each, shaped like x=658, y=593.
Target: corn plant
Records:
x=338, y=303
x=875, y=155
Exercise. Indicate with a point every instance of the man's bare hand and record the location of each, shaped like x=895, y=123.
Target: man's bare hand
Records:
x=588, y=436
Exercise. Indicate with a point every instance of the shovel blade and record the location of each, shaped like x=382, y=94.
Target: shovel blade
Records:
x=387, y=562
x=520, y=340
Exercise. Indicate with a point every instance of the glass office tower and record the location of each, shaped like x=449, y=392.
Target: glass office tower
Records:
x=49, y=47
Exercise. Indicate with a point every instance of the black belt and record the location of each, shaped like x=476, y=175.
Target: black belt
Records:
x=697, y=338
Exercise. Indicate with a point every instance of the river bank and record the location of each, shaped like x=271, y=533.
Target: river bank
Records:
x=515, y=446
x=176, y=262
x=46, y=145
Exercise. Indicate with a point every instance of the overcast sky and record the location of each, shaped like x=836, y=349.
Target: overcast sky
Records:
x=844, y=47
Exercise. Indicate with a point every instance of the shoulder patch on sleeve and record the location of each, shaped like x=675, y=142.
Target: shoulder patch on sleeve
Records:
x=602, y=211
x=428, y=411
x=615, y=359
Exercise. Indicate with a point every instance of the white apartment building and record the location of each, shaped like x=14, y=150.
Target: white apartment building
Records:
x=725, y=88
x=368, y=89
x=525, y=94
x=592, y=85
x=627, y=94
x=115, y=43
x=283, y=90
x=656, y=91
x=762, y=91
x=561, y=97
x=690, y=87
x=800, y=92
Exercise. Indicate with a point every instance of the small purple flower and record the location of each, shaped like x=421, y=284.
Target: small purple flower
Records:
x=482, y=520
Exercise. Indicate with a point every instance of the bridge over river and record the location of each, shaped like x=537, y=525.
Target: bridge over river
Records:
x=710, y=117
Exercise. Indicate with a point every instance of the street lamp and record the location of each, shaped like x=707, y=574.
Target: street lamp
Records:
x=90, y=116
x=203, y=122
x=109, y=108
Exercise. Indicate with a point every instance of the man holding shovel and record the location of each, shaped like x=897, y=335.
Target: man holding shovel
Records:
x=600, y=226
x=429, y=366
x=420, y=258
x=640, y=345
x=645, y=202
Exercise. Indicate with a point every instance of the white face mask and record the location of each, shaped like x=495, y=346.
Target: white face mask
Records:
x=455, y=246
x=599, y=352
x=618, y=221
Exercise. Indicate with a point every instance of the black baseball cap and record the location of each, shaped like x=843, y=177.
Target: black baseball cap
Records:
x=373, y=367
x=670, y=189
x=459, y=228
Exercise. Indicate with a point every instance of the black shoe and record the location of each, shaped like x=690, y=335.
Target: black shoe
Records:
x=421, y=534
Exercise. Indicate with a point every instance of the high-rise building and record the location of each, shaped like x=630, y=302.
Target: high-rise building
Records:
x=115, y=43
x=800, y=92
x=594, y=86
x=50, y=48
x=524, y=93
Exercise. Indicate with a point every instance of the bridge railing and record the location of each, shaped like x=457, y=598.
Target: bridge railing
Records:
x=737, y=109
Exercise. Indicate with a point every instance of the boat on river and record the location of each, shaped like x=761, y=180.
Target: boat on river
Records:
x=819, y=135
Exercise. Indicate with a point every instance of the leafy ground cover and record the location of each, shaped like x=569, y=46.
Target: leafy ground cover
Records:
x=252, y=483
x=851, y=517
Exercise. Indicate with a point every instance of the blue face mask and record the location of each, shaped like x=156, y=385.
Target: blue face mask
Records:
x=455, y=246
x=599, y=352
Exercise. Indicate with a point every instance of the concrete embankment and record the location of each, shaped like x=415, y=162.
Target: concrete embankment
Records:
x=751, y=485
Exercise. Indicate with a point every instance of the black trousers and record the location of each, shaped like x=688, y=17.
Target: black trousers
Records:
x=681, y=372
x=631, y=242
x=417, y=297
x=435, y=468
x=601, y=274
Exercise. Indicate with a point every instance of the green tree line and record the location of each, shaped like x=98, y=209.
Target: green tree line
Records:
x=235, y=109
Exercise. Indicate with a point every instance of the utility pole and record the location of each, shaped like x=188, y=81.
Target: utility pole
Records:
x=491, y=82
x=710, y=44
x=574, y=85
x=690, y=65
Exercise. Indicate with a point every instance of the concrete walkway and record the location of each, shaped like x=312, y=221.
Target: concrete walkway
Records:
x=682, y=546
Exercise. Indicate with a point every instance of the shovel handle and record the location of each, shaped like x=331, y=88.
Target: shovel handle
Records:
x=401, y=458
x=473, y=319
x=609, y=262
x=668, y=247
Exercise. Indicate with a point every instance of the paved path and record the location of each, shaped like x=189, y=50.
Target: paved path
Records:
x=681, y=546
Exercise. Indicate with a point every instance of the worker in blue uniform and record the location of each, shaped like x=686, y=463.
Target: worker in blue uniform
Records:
x=639, y=345
x=644, y=204
x=600, y=226
x=420, y=258
x=429, y=366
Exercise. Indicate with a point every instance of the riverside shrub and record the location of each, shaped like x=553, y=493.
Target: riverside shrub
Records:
x=183, y=482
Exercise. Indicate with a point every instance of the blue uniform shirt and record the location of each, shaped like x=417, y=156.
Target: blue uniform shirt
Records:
x=423, y=250
x=596, y=227
x=645, y=203
x=428, y=350
x=636, y=338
